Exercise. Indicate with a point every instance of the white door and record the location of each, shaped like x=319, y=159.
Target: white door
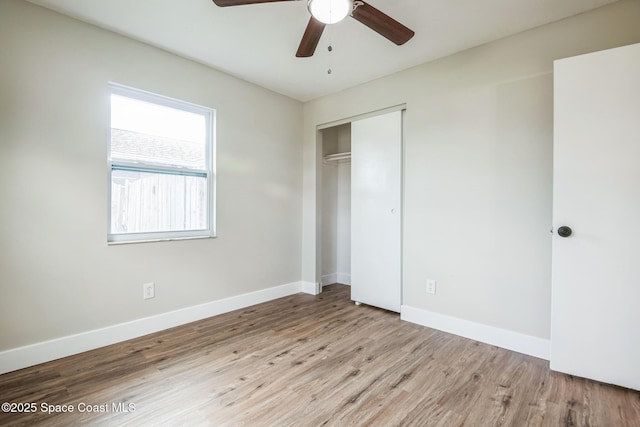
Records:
x=376, y=160
x=595, y=314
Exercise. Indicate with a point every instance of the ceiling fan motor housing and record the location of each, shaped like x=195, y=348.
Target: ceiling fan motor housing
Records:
x=330, y=11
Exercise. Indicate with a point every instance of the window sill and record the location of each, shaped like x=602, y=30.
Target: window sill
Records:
x=160, y=239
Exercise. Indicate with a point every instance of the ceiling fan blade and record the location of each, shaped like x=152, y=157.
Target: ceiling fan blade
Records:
x=381, y=23
x=224, y=3
x=310, y=38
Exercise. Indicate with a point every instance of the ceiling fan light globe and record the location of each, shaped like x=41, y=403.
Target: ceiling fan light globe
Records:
x=330, y=11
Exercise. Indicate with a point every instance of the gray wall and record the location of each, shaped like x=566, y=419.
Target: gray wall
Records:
x=58, y=276
x=477, y=168
x=477, y=177
x=336, y=207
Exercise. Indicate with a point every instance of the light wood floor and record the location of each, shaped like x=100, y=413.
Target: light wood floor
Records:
x=312, y=361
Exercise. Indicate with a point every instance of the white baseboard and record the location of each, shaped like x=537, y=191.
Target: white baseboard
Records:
x=330, y=279
x=344, y=278
x=526, y=344
x=34, y=354
x=310, y=288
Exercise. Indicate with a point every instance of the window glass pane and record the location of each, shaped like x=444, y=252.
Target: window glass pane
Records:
x=157, y=134
x=143, y=202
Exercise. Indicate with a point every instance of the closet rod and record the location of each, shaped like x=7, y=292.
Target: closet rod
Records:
x=337, y=156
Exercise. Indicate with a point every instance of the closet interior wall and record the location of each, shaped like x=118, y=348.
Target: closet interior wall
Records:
x=336, y=206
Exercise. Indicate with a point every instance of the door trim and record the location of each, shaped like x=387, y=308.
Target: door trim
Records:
x=399, y=107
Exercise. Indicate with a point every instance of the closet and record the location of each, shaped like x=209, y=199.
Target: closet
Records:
x=361, y=215
x=336, y=205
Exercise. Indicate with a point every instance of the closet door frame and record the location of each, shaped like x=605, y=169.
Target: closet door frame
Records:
x=395, y=108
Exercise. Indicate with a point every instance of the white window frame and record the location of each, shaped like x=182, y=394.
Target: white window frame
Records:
x=208, y=173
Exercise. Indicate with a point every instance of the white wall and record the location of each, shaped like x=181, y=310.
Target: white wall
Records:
x=58, y=276
x=477, y=177
x=335, y=223
x=343, y=227
x=329, y=222
x=477, y=169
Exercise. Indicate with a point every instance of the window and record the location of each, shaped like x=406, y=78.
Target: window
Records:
x=160, y=158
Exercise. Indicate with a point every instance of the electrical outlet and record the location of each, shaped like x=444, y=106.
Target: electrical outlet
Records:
x=148, y=290
x=431, y=286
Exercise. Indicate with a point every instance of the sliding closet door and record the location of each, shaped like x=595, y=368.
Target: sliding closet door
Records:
x=376, y=161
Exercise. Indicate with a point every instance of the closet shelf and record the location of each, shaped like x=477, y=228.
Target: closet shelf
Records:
x=337, y=157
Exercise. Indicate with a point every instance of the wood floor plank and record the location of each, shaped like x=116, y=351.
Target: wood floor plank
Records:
x=310, y=361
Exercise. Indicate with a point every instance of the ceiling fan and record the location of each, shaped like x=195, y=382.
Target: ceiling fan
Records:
x=325, y=12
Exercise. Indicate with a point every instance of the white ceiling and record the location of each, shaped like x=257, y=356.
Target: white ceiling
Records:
x=258, y=42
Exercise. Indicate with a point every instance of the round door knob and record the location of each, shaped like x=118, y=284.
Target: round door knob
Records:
x=393, y=211
x=564, y=231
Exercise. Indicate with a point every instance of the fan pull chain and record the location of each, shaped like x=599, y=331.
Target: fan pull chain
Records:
x=329, y=48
